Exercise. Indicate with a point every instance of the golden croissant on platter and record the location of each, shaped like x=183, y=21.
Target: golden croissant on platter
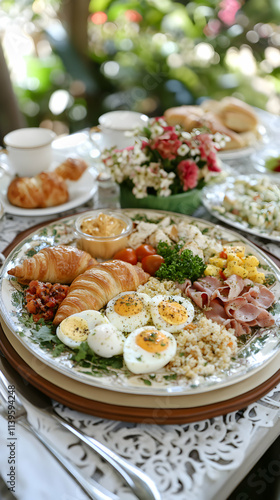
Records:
x=47, y=189
x=95, y=287
x=59, y=264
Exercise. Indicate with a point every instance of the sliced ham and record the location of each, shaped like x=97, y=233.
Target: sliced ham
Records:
x=183, y=286
x=232, y=288
x=264, y=319
x=202, y=290
x=217, y=312
x=201, y=299
x=247, y=313
x=208, y=284
x=233, y=305
x=260, y=296
x=240, y=328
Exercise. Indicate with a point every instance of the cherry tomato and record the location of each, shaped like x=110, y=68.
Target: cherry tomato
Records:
x=152, y=263
x=127, y=255
x=144, y=251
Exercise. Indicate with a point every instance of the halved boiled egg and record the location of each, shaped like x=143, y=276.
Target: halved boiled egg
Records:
x=106, y=340
x=171, y=312
x=148, y=349
x=129, y=310
x=75, y=329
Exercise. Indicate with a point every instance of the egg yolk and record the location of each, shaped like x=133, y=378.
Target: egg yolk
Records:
x=128, y=305
x=172, y=312
x=75, y=329
x=152, y=341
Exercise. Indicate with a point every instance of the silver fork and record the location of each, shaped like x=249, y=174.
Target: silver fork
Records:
x=92, y=489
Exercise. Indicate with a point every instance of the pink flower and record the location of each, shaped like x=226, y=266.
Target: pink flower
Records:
x=188, y=173
x=167, y=145
x=212, y=163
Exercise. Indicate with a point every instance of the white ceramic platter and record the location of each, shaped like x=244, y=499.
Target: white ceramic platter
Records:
x=254, y=354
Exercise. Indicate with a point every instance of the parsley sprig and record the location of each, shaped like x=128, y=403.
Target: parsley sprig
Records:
x=179, y=265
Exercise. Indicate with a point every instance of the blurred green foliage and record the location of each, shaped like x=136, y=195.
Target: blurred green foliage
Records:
x=148, y=55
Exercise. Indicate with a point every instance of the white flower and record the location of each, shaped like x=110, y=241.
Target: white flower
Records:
x=183, y=150
x=186, y=135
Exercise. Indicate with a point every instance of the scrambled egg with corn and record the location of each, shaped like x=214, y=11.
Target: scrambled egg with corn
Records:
x=232, y=260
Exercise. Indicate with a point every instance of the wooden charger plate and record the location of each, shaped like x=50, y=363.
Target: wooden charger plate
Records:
x=129, y=407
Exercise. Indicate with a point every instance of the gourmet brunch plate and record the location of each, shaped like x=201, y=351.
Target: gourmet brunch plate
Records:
x=208, y=356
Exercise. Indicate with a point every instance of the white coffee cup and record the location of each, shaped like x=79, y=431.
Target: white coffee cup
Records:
x=116, y=129
x=29, y=150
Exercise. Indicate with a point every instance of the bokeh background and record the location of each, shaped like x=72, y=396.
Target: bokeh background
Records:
x=65, y=62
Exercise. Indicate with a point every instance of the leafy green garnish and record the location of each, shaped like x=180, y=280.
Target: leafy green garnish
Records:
x=170, y=377
x=275, y=309
x=146, y=381
x=85, y=357
x=179, y=266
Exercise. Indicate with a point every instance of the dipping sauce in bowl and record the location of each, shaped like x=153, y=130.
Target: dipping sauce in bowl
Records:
x=103, y=233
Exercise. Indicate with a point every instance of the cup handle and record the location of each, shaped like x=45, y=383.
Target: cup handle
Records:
x=94, y=130
x=4, y=167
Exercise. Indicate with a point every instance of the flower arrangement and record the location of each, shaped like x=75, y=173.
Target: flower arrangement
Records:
x=165, y=160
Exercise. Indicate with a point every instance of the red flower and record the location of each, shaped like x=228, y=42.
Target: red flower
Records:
x=188, y=173
x=167, y=144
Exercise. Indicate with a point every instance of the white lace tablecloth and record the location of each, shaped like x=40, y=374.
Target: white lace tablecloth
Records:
x=203, y=460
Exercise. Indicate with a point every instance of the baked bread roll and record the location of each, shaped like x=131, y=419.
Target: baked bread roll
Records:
x=190, y=117
x=71, y=169
x=44, y=190
x=99, y=284
x=59, y=264
x=233, y=113
x=186, y=116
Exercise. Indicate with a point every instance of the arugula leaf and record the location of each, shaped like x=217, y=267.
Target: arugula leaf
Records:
x=44, y=334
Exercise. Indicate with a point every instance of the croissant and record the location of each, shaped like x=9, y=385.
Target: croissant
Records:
x=99, y=284
x=44, y=190
x=72, y=169
x=60, y=264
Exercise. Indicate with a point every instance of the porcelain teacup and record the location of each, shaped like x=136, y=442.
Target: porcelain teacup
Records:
x=116, y=128
x=29, y=151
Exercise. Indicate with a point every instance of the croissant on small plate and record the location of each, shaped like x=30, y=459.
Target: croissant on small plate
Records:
x=95, y=287
x=47, y=189
x=71, y=169
x=59, y=264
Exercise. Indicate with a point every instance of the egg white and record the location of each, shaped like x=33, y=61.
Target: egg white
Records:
x=106, y=340
x=139, y=360
x=171, y=320
x=67, y=330
x=129, y=320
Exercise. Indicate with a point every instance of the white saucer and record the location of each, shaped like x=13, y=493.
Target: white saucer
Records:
x=79, y=191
